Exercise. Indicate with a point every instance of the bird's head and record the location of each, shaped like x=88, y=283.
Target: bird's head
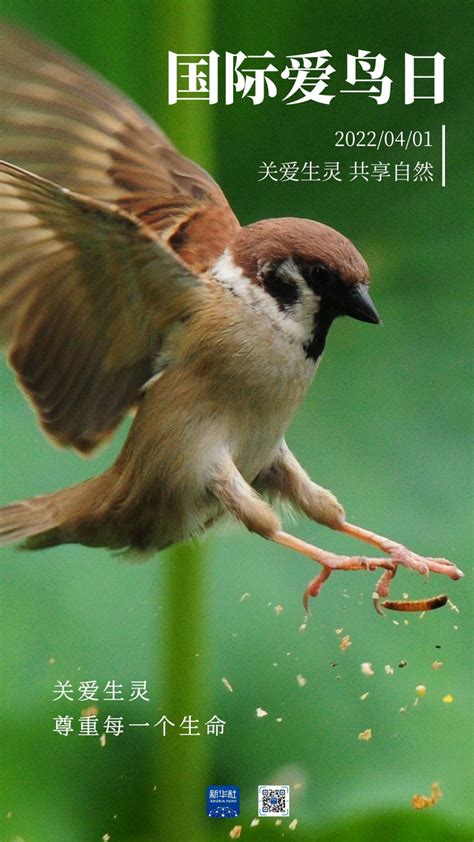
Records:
x=311, y=274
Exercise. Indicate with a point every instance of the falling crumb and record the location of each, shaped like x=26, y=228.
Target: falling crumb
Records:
x=103, y=740
x=275, y=664
x=415, y=702
x=236, y=831
x=333, y=664
x=365, y=735
x=227, y=684
x=420, y=802
x=279, y=609
x=339, y=631
x=278, y=822
x=345, y=643
x=51, y=661
x=405, y=596
x=302, y=681
x=292, y=825
x=92, y=710
x=366, y=668
x=406, y=622
x=254, y=822
x=297, y=786
x=395, y=622
x=388, y=669
x=437, y=665
x=106, y=837
x=302, y=628
x=244, y=596
x=9, y=814
x=453, y=607
x=403, y=710
x=448, y=699
x=363, y=697
x=261, y=712
x=279, y=719
x=402, y=664
x=420, y=690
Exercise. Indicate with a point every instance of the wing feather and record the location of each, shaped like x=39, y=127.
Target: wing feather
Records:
x=63, y=122
x=86, y=295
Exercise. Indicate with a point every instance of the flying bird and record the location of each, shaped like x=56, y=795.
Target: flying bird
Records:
x=128, y=284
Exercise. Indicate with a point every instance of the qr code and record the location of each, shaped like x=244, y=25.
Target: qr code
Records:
x=273, y=800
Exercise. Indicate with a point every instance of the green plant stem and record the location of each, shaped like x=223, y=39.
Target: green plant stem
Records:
x=182, y=762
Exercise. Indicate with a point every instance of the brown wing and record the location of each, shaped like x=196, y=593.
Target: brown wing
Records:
x=86, y=294
x=61, y=121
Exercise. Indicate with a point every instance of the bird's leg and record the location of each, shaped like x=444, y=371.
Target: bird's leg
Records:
x=400, y=554
x=229, y=487
x=285, y=477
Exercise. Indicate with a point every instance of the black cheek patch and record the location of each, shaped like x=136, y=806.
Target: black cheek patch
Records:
x=281, y=288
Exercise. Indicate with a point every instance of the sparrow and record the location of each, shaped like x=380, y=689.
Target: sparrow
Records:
x=127, y=284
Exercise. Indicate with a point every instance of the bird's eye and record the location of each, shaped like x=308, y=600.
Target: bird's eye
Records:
x=320, y=277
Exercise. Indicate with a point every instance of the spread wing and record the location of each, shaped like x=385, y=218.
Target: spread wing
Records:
x=86, y=294
x=61, y=121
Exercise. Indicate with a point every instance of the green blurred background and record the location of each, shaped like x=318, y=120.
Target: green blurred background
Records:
x=385, y=426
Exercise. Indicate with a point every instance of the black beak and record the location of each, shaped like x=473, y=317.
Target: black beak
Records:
x=359, y=305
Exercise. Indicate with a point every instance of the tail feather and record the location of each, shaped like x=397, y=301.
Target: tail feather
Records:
x=29, y=518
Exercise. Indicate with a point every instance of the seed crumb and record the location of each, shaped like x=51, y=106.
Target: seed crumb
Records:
x=302, y=681
x=236, y=831
x=420, y=802
x=366, y=668
x=227, y=684
x=448, y=699
x=261, y=712
x=345, y=643
x=365, y=735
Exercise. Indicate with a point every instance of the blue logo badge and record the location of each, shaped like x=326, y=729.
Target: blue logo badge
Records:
x=223, y=802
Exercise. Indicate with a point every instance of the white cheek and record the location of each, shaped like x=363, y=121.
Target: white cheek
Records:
x=297, y=323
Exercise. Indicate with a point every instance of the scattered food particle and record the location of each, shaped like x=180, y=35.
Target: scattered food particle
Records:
x=403, y=710
x=103, y=739
x=366, y=668
x=92, y=710
x=227, y=684
x=275, y=664
x=244, y=596
x=51, y=661
x=279, y=609
x=302, y=628
x=453, y=607
x=236, y=831
x=402, y=664
x=106, y=837
x=395, y=622
x=415, y=702
x=363, y=697
x=339, y=631
x=333, y=664
x=10, y=814
x=261, y=712
x=437, y=665
x=405, y=596
x=365, y=735
x=278, y=822
x=292, y=825
x=437, y=646
x=254, y=822
x=297, y=786
x=345, y=643
x=279, y=719
x=420, y=690
x=420, y=802
x=448, y=699
x=388, y=669
x=302, y=681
